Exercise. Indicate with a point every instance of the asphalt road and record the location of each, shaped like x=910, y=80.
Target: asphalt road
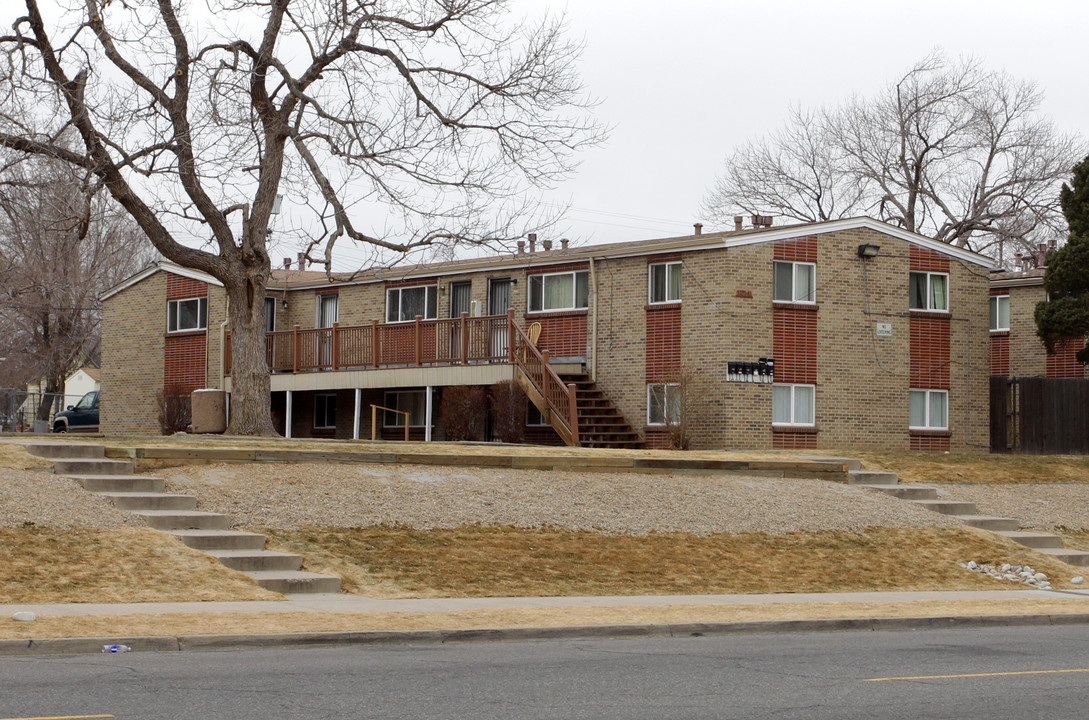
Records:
x=1037, y=673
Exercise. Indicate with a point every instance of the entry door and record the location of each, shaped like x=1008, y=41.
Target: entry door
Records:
x=460, y=302
x=327, y=315
x=498, y=304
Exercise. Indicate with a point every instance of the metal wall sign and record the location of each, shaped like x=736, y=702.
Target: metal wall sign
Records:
x=761, y=371
x=884, y=329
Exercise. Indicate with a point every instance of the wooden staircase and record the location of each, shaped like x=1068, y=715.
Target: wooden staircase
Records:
x=600, y=424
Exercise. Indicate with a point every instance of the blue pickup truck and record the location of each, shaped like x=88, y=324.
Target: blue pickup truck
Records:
x=81, y=417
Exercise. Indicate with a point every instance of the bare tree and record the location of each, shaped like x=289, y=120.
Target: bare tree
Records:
x=62, y=242
x=950, y=150
x=434, y=115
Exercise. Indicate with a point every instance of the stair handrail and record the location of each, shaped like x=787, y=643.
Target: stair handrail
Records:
x=560, y=397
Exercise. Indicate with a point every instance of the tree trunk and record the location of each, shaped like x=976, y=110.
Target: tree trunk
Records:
x=251, y=408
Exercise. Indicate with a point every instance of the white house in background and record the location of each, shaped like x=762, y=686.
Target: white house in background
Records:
x=81, y=382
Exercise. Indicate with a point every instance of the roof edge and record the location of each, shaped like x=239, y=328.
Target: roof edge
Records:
x=157, y=266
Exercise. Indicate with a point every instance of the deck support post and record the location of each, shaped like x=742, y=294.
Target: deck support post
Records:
x=429, y=407
x=287, y=415
x=356, y=409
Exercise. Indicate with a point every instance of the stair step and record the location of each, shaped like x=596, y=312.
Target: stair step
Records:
x=865, y=477
x=92, y=466
x=150, y=501
x=1070, y=557
x=184, y=520
x=1034, y=540
x=284, y=581
x=905, y=492
x=253, y=560
x=987, y=522
x=948, y=507
x=119, y=483
x=65, y=450
x=220, y=539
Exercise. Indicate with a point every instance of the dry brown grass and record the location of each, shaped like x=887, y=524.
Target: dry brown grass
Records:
x=42, y=565
x=488, y=561
x=17, y=458
x=48, y=626
x=978, y=468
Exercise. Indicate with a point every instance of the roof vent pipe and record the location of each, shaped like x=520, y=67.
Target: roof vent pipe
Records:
x=302, y=261
x=546, y=244
x=698, y=228
x=521, y=247
x=533, y=242
x=1020, y=262
x=738, y=222
x=563, y=243
x=287, y=263
x=1041, y=255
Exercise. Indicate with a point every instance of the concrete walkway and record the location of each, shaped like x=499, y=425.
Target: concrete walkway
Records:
x=345, y=603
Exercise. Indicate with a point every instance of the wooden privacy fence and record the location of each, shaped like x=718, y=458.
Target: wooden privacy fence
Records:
x=1040, y=415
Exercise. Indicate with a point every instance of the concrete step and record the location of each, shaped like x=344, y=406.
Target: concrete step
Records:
x=219, y=539
x=283, y=581
x=1070, y=557
x=853, y=464
x=252, y=560
x=865, y=477
x=1036, y=541
x=65, y=450
x=906, y=492
x=987, y=522
x=948, y=507
x=119, y=483
x=184, y=520
x=150, y=501
x=91, y=466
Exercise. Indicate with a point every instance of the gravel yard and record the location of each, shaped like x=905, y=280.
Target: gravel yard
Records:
x=1039, y=506
x=30, y=496
x=350, y=495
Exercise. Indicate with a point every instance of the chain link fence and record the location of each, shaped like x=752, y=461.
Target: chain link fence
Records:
x=22, y=411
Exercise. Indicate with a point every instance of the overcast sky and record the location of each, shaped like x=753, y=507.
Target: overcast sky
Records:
x=685, y=82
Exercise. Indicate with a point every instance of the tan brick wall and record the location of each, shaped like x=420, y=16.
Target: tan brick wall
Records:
x=133, y=330
x=1028, y=358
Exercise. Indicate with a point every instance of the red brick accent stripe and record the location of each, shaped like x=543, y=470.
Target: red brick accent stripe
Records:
x=568, y=267
x=658, y=439
x=179, y=288
x=800, y=250
x=999, y=291
x=790, y=440
x=1063, y=364
x=794, y=345
x=926, y=260
x=562, y=335
x=664, y=258
x=663, y=343
x=929, y=361
x=930, y=443
x=183, y=362
x=1000, y=354
x=412, y=282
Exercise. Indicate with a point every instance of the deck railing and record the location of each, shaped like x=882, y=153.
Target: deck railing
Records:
x=559, y=398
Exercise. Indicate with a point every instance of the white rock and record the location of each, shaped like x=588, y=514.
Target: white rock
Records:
x=1077, y=580
x=972, y=565
x=1005, y=567
x=24, y=616
x=1040, y=577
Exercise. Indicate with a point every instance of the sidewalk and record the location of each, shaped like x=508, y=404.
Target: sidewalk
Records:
x=345, y=603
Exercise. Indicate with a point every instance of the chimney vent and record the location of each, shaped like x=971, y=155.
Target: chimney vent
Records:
x=287, y=263
x=698, y=228
x=533, y=242
x=521, y=247
x=546, y=244
x=563, y=243
x=1041, y=255
x=1020, y=262
x=738, y=222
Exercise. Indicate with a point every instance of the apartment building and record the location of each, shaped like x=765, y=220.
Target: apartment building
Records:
x=839, y=335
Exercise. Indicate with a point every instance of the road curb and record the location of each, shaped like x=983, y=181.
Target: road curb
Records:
x=75, y=646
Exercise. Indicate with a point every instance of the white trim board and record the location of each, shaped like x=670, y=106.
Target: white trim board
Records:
x=163, y=266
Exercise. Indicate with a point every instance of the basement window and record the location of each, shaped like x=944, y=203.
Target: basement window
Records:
x=663, y=403
x=929, y=410
x=793, y=405
x=187, y=315
x=325, y=412
x=414, y=402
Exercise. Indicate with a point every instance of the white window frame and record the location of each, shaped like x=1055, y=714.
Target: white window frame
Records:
x=317, y=397
x=996, y=313
x=390, y=400
x=812, y=422
x=431, y=302
x=543, y=278
x=929, y=275
x=668, y=284
x=202, y=314
x=270, y=314
x=926, y=407
x=530, y=409
x=317, y=309
x=794, y=282
x=669, y=389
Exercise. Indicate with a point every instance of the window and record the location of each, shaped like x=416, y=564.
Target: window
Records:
x=663, y=403
x=270, y=314
x=793, y=405
x=325, y=412
x=665, y=282
x=1000, y=312
x=559, y=291
x=405, y=303
x=328, y=310
x=411, y=401
x=929, y=409
x=795, y=282
x=534, y=417
x=929, y=291
x=186, y=315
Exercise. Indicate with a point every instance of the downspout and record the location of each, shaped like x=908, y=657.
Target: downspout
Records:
x=223, y=346
x=593, y=327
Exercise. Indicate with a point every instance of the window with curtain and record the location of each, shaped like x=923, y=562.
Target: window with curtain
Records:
x=929, y=291
x=1000, y=312
x=793, y=404
x=663, y=403
x=405, y=303
x=928, y=409
x=559, y=291
x=795, y=282
x=187, y=315
x=665, y=282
